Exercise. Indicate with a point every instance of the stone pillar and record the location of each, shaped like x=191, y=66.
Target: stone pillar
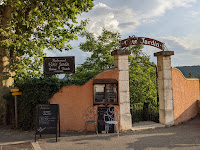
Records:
x=121, y=62
x=166, y=110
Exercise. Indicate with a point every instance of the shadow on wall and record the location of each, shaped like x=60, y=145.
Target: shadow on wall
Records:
x=189, y=113
x=185, y=96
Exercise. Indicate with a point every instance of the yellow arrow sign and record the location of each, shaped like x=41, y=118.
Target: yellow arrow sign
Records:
x=17, y=93
x=14, y=90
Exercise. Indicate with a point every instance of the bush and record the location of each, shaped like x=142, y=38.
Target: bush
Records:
x=37, y=90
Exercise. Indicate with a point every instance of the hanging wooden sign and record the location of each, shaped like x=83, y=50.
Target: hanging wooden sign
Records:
x=142, y=41
x=59, y=65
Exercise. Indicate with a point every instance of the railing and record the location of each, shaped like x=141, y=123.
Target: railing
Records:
x=139, y=114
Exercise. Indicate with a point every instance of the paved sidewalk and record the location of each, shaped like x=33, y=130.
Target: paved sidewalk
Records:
x=11, y=139
x=144, y=125
x=181, y=137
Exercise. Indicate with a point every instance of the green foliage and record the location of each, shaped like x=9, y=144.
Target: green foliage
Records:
x=142, y=72
x=100, y=49
x=142, y=77
x=37, y=90
x=29, y=27
x=137, y=113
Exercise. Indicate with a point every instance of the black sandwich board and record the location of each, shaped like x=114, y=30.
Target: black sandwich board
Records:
x=47, y=120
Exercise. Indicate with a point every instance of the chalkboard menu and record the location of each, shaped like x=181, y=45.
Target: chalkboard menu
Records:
x=47, y=119
x=59, y=65
x=101, y=122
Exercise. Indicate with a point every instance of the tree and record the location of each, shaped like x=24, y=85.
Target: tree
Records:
x=142, y=72
x=190, y=75
x=27, y=27
x=142, y=78
x=100, y=50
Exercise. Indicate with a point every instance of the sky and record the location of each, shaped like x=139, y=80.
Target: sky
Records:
x=173, y=22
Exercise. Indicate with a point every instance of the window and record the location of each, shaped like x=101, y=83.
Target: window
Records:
x=105, y=91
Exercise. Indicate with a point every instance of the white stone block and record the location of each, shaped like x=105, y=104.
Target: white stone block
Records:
x=166, y=117
x=124, y=97
x=167, y=84
x=166, y=105
x=160, y=84
x=169, y=105
x=161, y=104
x=123, y=86
x=122, y=57
x=125, y=122
x=123, y=65
x=169, y=117
x=168, y=94
x=124, y=75
x=167, y=58
x=167, y=74
x=124, y=108
x=167, y=64
x=160, y=75
x=162, y=116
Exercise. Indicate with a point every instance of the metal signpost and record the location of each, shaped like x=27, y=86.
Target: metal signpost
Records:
x=16, y=92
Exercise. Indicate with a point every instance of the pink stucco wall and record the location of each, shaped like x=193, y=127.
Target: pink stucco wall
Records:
x=185, y=96
x=73, y=100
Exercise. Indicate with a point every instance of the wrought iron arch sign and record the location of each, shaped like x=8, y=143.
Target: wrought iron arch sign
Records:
x=143, y=41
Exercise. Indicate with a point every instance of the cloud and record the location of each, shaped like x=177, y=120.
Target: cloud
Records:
x=194, y=13
x=103, y=16
x=148, y=21
x=186, y=49
x=128, y=25
x=123, y=15
x=150, y=8
x=188, y=42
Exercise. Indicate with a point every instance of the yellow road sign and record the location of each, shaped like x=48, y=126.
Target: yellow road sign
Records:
x=14, y=90
x=17, y=93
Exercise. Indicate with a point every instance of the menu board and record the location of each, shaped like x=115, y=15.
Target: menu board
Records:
x=47, y=119
x=59, y=65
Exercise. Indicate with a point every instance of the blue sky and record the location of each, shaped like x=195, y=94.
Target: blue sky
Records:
x=173, y=22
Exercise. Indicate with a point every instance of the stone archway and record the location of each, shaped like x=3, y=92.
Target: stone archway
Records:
x=166, y=111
